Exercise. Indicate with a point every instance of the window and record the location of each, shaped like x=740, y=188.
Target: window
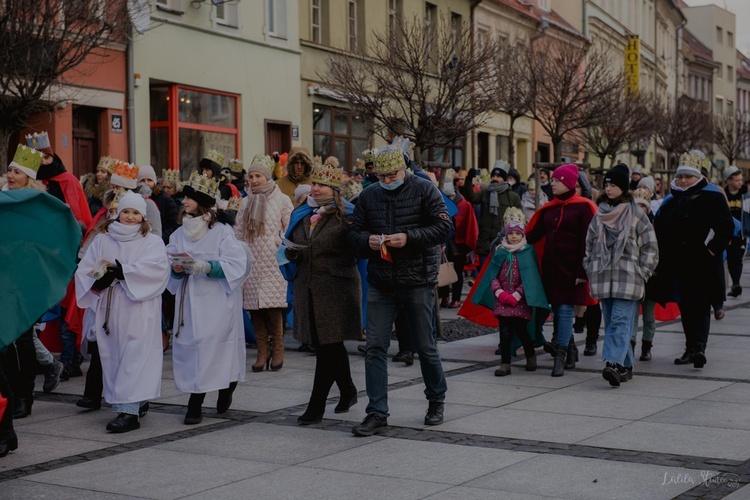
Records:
x=719, y=106
x=730, y=39
x=186, y=122
x=720, y=71
x=276, y=10
x=430, y=33
x=730, y=73
x=227, y=14
x=456, y=29
x=339, y=133
x=719, y=35
x=170, y=5
x=730, y=108
x=356, y=25
x=394, y=14
x=318, y=24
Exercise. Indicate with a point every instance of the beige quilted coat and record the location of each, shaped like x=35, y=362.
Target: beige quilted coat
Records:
x=265, y=287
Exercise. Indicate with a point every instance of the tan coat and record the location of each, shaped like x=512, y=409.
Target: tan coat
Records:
x=265, y=287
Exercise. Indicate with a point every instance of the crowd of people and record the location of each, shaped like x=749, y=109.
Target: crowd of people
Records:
x=221, y=261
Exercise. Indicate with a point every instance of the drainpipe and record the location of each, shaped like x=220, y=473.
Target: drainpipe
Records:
x=678, y=30
x=474, y=5
x=131, y=98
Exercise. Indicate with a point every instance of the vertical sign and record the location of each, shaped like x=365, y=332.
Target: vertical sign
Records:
x=632, y=64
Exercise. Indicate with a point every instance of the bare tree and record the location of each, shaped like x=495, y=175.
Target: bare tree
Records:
x=430, y=84
x=731, y=134
x=569, y=83
x=42, y=42
x=513, y=93
x=629, y=119
x=682, y=126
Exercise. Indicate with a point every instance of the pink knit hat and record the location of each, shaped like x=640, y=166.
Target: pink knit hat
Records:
x=567, y=174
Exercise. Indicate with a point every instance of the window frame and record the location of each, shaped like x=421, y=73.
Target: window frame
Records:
x=276, y=17
x=224, y=19
x=173, y=6
x=316, y=5
x=333, y=136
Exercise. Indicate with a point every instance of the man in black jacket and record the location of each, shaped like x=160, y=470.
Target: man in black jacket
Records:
x=399, y=224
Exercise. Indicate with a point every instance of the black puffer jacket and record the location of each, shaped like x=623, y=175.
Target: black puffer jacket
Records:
x=415, y=208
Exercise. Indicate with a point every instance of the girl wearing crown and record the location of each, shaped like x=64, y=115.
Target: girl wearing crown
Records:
x=126, y=298
x=208, y=348
x=327, y=306
x=262, y=217
x=96, y=184
x=511, y=287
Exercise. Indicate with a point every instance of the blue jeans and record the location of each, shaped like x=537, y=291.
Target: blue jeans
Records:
x=618, y=327
x=68, y=339
x=419, y=307
x=563, y=322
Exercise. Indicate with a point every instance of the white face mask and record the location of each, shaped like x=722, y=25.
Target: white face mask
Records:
x=511, y=181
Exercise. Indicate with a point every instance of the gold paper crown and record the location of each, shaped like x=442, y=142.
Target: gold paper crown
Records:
x=350, y=189
x=264, y=160
x=234, y=203
x=28, y=160
x=514, y=218
x=389, y=160
x=170, y=175
x=126, y=170
x=236, y=166
x=329, y=174
x=360, y=164
x=107, y=163
x=642, y=194
x=403, y=144
x=203, y=184
x=116, y=200
x=368, y=156
x=215, y=157
x=38, y=141
x=694, y=159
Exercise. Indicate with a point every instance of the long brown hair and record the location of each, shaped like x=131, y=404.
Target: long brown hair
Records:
x=145, y=225
x=201, y=212
x=625, y=197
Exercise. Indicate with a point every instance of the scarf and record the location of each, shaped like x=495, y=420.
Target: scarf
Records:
x=256, y=209
x=122, y=232
x=614, y=230
x=511, y=249
x=494, y=189
x=195, y=228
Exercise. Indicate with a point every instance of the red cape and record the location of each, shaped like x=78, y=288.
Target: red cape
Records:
x=234, y=190
x=74, y=197
x=467, y=227
x=478, y=314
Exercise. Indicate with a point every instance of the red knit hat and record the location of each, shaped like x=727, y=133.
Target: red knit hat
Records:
x=567, y=174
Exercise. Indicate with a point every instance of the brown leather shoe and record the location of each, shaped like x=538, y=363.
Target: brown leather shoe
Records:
x=719, y=314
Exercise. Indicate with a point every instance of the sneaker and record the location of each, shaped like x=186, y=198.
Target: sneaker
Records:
x=626, y=373
x=434, y=413
x=52, y=376
x=611, y=374
x=372, y=424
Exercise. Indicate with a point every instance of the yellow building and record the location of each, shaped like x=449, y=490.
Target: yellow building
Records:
x=215, y=75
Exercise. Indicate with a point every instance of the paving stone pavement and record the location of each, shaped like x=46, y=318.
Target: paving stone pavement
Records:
x=671, y=432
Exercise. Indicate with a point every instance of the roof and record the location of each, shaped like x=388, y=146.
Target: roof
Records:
x=697, y=49
x=542, y=17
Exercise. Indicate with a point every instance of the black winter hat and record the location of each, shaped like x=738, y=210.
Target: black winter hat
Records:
x=619, y=175
x=499, y=171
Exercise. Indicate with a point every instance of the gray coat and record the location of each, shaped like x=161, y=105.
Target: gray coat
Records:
x=327, y=289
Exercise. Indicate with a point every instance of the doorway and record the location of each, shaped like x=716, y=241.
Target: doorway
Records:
x=85, y=140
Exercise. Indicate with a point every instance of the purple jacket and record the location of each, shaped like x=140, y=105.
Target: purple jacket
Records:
x=510, y=284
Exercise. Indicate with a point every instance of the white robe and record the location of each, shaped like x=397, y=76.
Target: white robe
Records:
x=208, y=347
x=131, y=354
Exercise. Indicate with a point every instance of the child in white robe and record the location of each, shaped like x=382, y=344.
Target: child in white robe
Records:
x=127, y=303
x=208, y=348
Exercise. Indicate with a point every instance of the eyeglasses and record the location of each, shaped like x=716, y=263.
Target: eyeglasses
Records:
x=390, y=177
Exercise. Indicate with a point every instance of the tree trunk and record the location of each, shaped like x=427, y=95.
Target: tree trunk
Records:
x=602, y=159
x=557, y=146
x=4, y=139
x=511, y=143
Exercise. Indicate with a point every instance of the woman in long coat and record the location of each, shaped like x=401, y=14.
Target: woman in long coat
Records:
x=327, y=307
x=263, y=214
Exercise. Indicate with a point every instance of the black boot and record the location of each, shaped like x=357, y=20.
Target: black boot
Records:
x=590, y=349
x=558, y=369
x=646, y=350
x=22, y=408
x=579, y=324
x=194, y=413
x=572, y=356
x=699, y=356
x=632, y=347
x=225, y=398
x=685, y=359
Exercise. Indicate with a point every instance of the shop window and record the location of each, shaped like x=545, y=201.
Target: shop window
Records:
x=339, y=133
x=186, y=122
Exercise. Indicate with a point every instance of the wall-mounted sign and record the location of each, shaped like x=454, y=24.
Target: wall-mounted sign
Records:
x=116, y=123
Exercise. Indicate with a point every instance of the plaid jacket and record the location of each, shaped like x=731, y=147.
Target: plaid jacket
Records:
x=626, y=278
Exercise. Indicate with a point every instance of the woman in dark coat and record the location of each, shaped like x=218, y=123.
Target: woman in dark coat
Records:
x=327, y=291
x=693, y=228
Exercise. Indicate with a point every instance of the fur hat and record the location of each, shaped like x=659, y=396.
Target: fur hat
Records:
x=567, y=174
x=619, y=176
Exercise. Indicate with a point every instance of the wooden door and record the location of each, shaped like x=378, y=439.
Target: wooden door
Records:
x=278, y=137
x=85, y=140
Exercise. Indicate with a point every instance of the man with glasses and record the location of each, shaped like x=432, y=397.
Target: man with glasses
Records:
x=399, y=224
x=693, y=228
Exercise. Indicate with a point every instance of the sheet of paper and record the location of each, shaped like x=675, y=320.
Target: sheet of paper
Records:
x=100, y=268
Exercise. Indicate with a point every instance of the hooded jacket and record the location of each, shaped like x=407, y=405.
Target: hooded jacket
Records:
x=288, y=183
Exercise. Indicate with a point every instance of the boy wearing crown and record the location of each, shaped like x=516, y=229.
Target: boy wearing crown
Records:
x=693, y=228
x=400, y=224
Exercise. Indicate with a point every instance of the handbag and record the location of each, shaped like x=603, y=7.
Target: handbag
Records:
x=446, y=273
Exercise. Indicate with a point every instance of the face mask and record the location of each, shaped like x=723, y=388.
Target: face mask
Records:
x=511, y=181
x=393, y=185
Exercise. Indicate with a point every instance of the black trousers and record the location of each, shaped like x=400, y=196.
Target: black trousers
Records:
x=6, y=424
x=735, y=254
x=19, y=364
x=331, y=365
x=508, y=328
x=94, y=377
x=593, y=317
x=696, y=321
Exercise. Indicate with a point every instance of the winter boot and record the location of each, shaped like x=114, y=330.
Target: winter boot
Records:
x=264, y=356
x=590, y=349
x=646, y=350
x=503, y=370
x=194, y=413
x=572, y=354
x=277, y=359
x=558, y=369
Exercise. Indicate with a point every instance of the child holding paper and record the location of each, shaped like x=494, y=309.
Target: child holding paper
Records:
x=126, y=301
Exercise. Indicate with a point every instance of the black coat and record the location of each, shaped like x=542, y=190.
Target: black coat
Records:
x=415, y=208
x=687, y=272
x=168, y=211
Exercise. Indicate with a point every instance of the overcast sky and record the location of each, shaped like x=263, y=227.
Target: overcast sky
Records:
x=741, y=9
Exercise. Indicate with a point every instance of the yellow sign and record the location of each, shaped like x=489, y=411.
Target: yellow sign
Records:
x=632, y=64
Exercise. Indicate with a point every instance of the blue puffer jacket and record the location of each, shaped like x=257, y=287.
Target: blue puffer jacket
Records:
x=415, y=208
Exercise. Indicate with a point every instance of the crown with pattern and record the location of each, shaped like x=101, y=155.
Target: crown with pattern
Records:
x=389, y=160
x=203, y=184
x=116, y=200
x=234, y=203
x=514, y=219
x=359, y=164
x=125, y=175
x=215, y=157
x=642, y=196
x=170, y=175
x=27, y=160
x=403, y=144
x=107, y=163
x=692, y=162
x=38, y=141
x=236, y=166
x=328, y=174
x=264, y=160
x=368, y=156
x=350, y=189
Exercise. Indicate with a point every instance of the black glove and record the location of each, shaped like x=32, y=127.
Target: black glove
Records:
x=118, y=270
x=106, y=280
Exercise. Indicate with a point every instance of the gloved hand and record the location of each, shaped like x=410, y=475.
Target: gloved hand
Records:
x=200, y=267
x=511, y=301
x=118, y=270
x=503, y=298
x=106, y=280
x=498, y=292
